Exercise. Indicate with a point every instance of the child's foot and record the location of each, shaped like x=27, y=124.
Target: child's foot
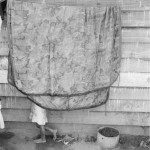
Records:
x=53, y=131
x=36, y=137
x=40, y=141
x=55, y=135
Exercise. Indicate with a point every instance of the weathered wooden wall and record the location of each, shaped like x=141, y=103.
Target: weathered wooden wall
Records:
x=129, y=102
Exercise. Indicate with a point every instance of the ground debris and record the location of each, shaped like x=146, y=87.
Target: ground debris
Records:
x=145, y=144
x=66, y=139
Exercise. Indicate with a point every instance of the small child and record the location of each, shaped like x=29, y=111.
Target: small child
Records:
x=39, y=116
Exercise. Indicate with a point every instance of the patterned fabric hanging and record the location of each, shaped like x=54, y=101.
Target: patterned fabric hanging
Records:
x=63, y=57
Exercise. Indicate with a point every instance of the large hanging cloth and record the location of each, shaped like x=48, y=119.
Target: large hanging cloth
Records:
x=63, y=57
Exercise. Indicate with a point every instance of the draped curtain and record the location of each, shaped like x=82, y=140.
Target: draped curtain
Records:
x=63, y=57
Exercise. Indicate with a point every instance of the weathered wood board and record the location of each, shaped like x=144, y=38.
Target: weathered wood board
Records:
x=140, y=35
x=136, y=50
x=129, y=50
x=124, y=79
x=116, y=93
x=125, y=4
x=135, y=18
x=127, y=65
x=8, y=90
x=3, y=63
x=129, y=93
x=135, y=65
x=133, y=80
x=3, y=76
x=111, y=105
x=129, y=100
x=82, y=117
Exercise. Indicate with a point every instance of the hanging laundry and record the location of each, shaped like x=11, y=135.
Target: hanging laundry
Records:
x=63, y=57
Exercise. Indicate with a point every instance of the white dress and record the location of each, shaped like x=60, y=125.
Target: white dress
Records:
x=1, y=118
x=38, y=115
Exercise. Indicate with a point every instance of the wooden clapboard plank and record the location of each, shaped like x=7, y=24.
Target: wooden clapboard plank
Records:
x=3, y=42
x=3, y=63
x=112, y=105
x=127, y=65
x=136, y=35
x=20, y=115
x=135, y=43
x=124, y=106
x=133, y=80
x=3, y=76
x=129, y=93
x=9, y=90
x=135, y=18
x=109, y=118
x=82, y=117
x=135, y=65
x=16, y=103
x=123, y=3
x=124, y=79
x=134, y=4
x=116, y=93
x=75, y=2
x=129, y=50
x=133, y=36
x=4, y=51
x=136, y=50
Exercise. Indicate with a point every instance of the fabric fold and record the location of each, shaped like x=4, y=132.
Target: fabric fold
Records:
x=64, y=57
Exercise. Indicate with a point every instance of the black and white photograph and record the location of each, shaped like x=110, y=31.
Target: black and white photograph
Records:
x=74, y=74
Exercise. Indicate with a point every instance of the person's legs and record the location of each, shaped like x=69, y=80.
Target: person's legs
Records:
x=39, y=116
x=42, y=139
x=42, y=130
x=53, y=131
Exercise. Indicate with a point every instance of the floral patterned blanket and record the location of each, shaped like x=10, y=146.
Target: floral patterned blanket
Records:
x=63, y=57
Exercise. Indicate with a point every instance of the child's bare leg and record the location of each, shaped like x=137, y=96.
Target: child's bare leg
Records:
x=42, y=128
x=54, y=132
x=42, y=139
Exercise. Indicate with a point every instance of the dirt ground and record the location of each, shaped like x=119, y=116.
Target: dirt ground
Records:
x=20, y=141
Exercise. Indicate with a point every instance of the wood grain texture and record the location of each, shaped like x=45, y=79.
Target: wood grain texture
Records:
x=3, y=76
x=126, y=4
x=124, y=79
x=129, y=93
x=137, y=65
x=140, y=35
x=124, y=106
x=82, y=117
x=135, y=44
x=3, y=63
x=129, y=50
x=136, y=50
x=111, y=106
x=133, y=80
x=121, y=93
x=135, y=18
x=9, y=90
